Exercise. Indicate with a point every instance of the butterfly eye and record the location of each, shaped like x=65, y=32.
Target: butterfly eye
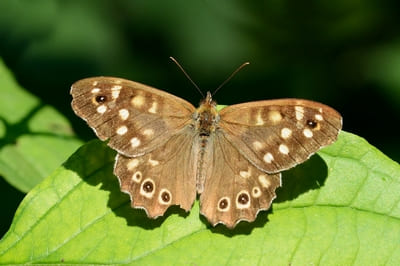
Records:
x=101, y=98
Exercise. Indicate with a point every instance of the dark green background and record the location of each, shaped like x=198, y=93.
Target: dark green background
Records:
x=343, y=53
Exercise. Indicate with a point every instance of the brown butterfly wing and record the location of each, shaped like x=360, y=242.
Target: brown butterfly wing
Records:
x=163, y=177
x=278, y=134
x=235, y=189
x=135, y=117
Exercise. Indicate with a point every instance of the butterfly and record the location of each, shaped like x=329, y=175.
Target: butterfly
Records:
x=169, y=151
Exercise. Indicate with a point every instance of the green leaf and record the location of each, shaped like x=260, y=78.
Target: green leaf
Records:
x=220, y=107
x=341, y=207
x=34, y=138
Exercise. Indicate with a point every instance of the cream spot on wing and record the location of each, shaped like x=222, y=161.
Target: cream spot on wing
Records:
x=283, y=149
x=132, y=164
x=115, y=90
x=153, y=162
x=148, y=132
x=299, y=112
x=123, y=114
x=268, y=157
x=165, y=197
x=286, y=132
x=265, y=182
x=256, y=192
x=275, y=116
x=115, y=94
x=101, y=109
x=147, y=188
x=95, y=90
x=153, y=108
x=258, y=145
x=319, y=117
x=135, y=142
x=243, y=200
x=259, y=120
x=308, y=133
x=117, y=81
x=320, y=110
x=137, y=101
x=245, y=174
x=122, y=130
x=224, y=204
x=95, y=83
x=137, y=177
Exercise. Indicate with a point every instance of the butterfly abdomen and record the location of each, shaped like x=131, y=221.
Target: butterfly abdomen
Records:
x=201, y=168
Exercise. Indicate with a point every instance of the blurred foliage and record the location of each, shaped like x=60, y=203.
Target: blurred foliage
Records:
x=345, y=53
x=35, y=138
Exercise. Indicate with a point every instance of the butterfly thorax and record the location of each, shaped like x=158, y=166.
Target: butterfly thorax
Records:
x=206, y=117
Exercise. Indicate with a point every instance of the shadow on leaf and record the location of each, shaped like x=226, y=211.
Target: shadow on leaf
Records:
x=242, y=228
x=302, y=178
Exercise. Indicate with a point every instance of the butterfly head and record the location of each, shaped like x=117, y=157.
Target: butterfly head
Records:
x=209, y=100
x=206, y=117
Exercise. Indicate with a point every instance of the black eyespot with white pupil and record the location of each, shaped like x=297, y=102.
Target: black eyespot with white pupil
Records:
x=148, y=187
x=101, y=98
x=312, y=123
x=223, y=204
x=165, y=196
x=243, y=199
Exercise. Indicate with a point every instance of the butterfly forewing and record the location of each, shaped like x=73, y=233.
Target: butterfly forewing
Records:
x=135, y=117
x=236, y=190
x=278, y=134
x=164, y=177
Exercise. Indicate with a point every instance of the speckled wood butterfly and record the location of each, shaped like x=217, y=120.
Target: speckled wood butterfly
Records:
x=169, y=151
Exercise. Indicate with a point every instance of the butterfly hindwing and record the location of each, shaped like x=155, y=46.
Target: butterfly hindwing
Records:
x=135, y=117
x=235, y=190
x=163, y=177
x=278, y=134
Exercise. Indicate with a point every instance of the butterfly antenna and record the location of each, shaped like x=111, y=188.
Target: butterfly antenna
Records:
x=188, y=77
x=230, y=77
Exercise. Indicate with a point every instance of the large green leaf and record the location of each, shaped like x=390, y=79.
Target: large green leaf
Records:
x=34, y=138
x=339, y=208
